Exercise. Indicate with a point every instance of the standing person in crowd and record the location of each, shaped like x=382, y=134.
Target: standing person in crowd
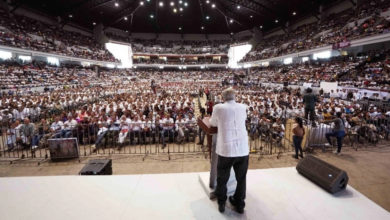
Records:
x=309, y=99
x=299, y=133
x=201, y=133
x=232, y=149
x=27, y=132
x=338, y=131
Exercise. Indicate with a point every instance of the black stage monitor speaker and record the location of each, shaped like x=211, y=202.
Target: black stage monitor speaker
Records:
x=327, y=176
x=97, y=167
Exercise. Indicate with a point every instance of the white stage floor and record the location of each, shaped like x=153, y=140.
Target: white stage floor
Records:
x=271, y=194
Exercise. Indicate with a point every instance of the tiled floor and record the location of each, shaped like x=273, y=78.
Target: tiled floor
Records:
x=368, y=168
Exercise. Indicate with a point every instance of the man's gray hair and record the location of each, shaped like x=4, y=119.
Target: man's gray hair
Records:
x=229, y=94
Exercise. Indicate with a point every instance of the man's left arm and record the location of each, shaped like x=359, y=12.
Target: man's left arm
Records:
x=214, y=117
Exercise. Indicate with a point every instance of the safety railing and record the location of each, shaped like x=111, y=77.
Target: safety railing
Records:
x=264, y=138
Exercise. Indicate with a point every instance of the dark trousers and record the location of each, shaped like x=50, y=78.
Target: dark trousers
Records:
x=339, y=136
x=240, y=166
x=310, y=114
x=297, y=140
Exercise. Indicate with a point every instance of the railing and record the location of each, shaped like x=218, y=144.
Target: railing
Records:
x=151, y=139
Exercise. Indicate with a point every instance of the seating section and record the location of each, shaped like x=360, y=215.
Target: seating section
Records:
x=335, y=28
x=26, y=33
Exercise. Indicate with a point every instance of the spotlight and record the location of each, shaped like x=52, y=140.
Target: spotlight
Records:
x=231, y=33
x=116, y=4
x=125, y=18
x=185, y=4
x=231, y=21
x=180, y=28
x=71, y=16
x=174, y=10
x=238, y=7
x=141, y=3
x=276, y=21
x=180, y=2
x=294, y=13
x=207, y=2
x=213, y=5
x=261, y=26
x=127, y=31
x=181, y=9
x=161, y=4
x=172, y=4
x=207, y=17
x=251, y=16
x=152, y=16
x=94, y=23
x=202, y=28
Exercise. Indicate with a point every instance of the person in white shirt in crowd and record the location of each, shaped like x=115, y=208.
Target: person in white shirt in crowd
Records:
x=136, y=126
x=190, y=126
x=68, y=128
x=232, y=149
x=180, y=126
x=124, y=129
x=56, y=127
x=167, y=128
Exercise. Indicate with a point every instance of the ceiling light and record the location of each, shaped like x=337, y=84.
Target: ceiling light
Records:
x=148, y=0
x=231, y=33
x=161, y=4
x=231, y=21
x=127, y=31
x=185, y=4
x=116, y=4
x=261, y=26
x=238, y=7
x=141, y=3
x=125, y=18
x=180, y=2
x=94, y=23
x=174, y=10
x=151, y=16
x=207, y=2
x=179, y=28
x=213, y=5
x=71, y=16
x=251, y=16
x=294, y=13
x=276, y=21
x=202, y=28
x=207, y=17
x=181, y=9
x=172, y=3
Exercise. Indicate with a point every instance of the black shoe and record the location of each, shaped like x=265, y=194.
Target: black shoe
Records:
x=301, y=155
x=164, y=146
x=233, y=202
x=295, y=156
x=221, y=207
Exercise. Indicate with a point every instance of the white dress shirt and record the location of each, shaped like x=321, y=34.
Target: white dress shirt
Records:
x=232, y=137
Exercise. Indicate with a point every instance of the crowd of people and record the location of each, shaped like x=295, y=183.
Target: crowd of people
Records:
x=342, y=27
x=153, y=46
x=181, y=60
x=123, y=105
x=26, y=33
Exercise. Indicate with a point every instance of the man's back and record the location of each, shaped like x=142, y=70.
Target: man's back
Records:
x=309, y=100
x=232, y=134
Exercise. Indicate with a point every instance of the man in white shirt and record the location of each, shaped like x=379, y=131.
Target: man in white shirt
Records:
x=232, y=149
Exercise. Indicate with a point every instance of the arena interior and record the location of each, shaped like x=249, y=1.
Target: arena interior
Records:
x=129, y=80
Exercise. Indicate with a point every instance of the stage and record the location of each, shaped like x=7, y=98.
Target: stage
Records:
x=271, y=194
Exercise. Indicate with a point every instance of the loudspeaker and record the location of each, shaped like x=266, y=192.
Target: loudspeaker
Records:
x=325, y=175
x=97, y=167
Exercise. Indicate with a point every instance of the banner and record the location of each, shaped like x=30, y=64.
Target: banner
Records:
x=328, y=86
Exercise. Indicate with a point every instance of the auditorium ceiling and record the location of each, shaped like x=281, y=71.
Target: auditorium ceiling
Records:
x=179, y=16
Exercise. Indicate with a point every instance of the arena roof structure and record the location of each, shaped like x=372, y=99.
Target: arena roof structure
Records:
x=179, y=16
